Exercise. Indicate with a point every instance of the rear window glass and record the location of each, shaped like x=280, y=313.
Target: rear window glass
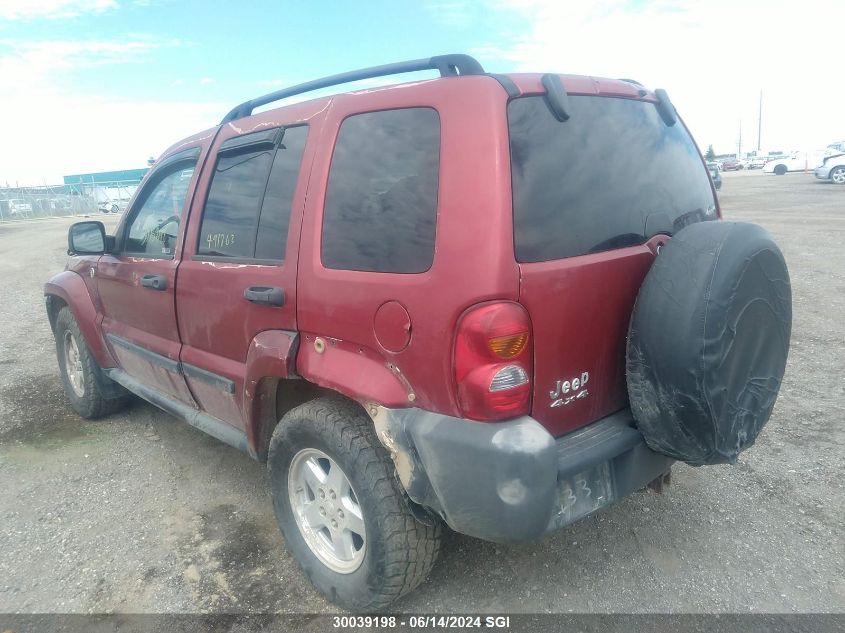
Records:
x=381, y=203
x=611, y=176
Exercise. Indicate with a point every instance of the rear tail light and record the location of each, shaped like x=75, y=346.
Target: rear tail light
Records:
x=493, y=362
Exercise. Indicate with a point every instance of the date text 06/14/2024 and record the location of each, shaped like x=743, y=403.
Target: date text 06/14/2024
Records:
x=422, y=621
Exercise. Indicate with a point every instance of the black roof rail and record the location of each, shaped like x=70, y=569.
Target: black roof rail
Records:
x=448, y=65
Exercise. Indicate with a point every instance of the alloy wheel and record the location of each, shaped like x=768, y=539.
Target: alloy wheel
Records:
x=326, y=510
x=73, y=365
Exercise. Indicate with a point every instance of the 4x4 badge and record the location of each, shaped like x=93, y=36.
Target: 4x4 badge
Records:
x=567, y=391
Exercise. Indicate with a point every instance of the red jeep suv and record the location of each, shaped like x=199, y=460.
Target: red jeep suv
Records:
x=494, y=302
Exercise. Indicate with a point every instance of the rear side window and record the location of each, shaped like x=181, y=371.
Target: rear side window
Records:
x=247, y=211
x=381, y=202
x=611, y=176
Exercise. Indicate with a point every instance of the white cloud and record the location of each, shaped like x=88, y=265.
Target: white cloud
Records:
x=24, y=62
x=205, y=81
x=52, y=9
x=713, y=57
x=64, y=131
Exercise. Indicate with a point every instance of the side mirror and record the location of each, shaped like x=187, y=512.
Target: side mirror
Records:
x=86, y=238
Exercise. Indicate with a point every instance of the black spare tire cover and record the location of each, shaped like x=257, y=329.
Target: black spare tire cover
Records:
x=708, y=341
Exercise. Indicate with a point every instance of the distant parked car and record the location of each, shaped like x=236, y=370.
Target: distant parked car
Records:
x=19, y=208
x=108, y=206
x=732, y=164
x=833, y=169
x=715, y=174
x=60, y=204
x=793, y=162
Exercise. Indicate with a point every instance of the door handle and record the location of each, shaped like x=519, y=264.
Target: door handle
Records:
x=265, y=295
x=156, y=282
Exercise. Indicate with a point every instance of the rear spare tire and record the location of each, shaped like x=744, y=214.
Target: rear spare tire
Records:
x=708, y=342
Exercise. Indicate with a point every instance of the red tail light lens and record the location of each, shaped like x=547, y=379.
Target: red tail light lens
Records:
x=493, y=361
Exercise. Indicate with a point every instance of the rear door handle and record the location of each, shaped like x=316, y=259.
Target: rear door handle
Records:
x=156, y=282
x=265, y=295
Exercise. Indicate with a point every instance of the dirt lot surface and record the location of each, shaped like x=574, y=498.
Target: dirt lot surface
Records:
x=142, y=513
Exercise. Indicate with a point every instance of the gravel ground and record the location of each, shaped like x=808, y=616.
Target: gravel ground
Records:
x=141, y=513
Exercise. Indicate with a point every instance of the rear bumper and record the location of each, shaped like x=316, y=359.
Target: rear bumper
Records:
x=509, y=481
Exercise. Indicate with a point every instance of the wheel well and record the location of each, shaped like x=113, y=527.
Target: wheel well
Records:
x=54, y=305
x=275, y=397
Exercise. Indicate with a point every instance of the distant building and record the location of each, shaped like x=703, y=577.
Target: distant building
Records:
x=105, y=186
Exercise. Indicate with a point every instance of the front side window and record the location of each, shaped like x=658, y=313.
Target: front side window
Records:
x=155, y=227
x=381, y=203
x=611, y=176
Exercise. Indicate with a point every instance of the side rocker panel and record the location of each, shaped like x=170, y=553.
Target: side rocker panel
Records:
x=71, y=288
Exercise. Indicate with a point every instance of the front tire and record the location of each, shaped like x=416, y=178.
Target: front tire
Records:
x=780, y=170
x=82, y=378
x=837, y=175
x=342, y=510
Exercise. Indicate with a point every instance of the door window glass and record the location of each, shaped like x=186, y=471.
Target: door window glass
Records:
x=234, y=199
x=155, y=227
x=275, y=210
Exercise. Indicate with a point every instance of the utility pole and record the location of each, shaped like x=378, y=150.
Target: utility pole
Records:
x=760, y=121
x=739, y=143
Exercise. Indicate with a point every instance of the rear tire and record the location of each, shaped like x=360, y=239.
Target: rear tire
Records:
x=780, y=170
x=389, y=551
x=837, y=175
x=82, y=378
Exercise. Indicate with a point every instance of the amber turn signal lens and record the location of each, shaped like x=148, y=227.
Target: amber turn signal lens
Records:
x=508, y=346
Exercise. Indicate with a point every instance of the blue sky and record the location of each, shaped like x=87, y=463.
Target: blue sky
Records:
x=106, y=83
x=238, y=47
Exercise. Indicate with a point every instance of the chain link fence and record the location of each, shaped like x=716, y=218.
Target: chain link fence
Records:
x=27, y=203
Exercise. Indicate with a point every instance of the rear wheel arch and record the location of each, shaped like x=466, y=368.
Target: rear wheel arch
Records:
x=274, y=397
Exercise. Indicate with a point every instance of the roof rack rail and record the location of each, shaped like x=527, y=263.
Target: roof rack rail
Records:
x=448, y=65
